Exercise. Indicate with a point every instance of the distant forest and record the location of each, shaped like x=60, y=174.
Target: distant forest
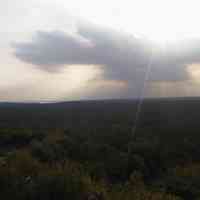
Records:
x=85, y=150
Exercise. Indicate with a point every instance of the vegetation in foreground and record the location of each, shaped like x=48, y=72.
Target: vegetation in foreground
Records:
x=89, y=159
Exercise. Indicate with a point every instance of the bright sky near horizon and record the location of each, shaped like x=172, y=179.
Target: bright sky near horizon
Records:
x=67, y=50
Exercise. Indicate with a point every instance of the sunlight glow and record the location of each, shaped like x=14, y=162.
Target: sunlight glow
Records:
x=194, y=72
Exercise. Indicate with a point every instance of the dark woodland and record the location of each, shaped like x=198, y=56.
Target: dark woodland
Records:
x=84, y=150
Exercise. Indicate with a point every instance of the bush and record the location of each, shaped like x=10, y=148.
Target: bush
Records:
x=15, y=137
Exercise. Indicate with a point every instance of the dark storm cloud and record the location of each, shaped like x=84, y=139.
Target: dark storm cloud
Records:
x=122, y=57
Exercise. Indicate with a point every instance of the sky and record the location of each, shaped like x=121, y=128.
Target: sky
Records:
x=72, y=50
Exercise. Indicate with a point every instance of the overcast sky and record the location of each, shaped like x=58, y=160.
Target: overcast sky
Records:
x=71, y=50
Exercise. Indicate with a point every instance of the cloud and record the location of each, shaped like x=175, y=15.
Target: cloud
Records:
x=121, y=56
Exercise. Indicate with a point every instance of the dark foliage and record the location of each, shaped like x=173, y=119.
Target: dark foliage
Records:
x=84, y=150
